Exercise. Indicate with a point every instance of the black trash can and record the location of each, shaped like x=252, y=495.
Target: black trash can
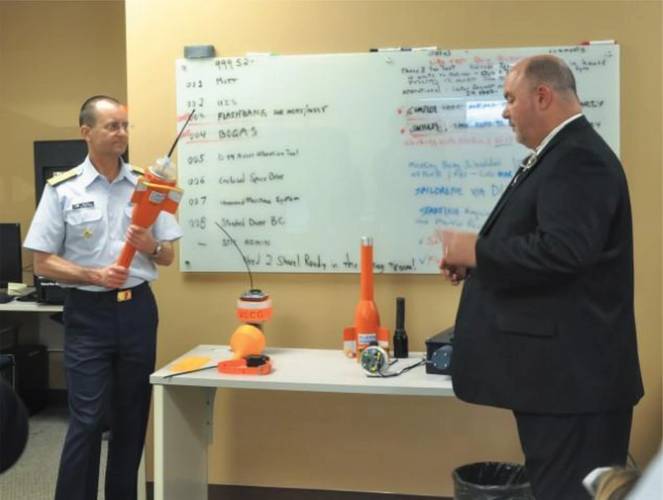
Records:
x=491, y=481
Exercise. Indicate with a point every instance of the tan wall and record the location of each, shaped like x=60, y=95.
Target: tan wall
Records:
x=57, y=53
x=53, y=55
x=381, y=443
x=325, y=441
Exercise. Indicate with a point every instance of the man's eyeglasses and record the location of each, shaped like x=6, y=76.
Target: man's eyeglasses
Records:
x=116, y=126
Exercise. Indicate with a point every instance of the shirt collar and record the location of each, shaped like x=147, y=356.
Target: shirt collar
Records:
x=127, y=173
x=89, y=174
x=553, y=133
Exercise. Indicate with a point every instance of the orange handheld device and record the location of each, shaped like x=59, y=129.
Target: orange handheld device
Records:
x=366, y=328
x=155, y=191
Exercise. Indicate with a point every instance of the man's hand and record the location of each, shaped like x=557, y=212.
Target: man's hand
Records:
x=112, y=276
x=459, y=248
x=459, y=254
x=455, y=274
x=141, y=239
x=56, y=268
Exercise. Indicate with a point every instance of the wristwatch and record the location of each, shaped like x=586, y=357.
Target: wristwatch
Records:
x=157, y=250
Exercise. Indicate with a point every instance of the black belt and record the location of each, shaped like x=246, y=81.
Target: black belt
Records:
x=114, y=295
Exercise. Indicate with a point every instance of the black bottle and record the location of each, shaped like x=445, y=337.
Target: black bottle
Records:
x=400, y=336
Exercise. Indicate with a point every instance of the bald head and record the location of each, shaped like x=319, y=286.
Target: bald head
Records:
x=540, y=93
x=550, y=71
x=88, y=113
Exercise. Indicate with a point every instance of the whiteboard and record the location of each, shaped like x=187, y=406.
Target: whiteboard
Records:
x=297, y=157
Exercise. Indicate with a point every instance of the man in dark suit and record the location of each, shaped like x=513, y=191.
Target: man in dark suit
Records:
x=545, y=325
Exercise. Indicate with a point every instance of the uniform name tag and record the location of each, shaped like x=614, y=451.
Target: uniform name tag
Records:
x=123, y=295
x=85, y=204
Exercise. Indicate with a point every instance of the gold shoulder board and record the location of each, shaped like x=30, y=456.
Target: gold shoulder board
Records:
x=59, y=178
x=137, y=170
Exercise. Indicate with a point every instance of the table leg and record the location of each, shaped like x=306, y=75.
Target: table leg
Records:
x=142, y=485
x=182, y=433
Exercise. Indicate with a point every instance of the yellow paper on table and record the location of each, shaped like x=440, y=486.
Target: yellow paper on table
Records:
x=189, y=363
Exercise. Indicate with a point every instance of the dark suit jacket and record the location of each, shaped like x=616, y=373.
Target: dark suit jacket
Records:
x=546, y=323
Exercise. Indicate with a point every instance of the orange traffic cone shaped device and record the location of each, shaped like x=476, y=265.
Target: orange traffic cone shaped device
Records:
x=155, y=191
x=366, y=329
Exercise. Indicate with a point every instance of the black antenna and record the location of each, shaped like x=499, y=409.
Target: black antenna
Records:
x=172, y=148
x=246, y=263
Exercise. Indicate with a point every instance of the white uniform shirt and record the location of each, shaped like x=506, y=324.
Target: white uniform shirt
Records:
x=85, y=220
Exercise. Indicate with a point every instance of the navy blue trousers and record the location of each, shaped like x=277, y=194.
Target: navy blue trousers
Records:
x=109, y=353
x=560, y=450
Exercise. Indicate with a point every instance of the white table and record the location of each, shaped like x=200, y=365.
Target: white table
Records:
x=184, y=404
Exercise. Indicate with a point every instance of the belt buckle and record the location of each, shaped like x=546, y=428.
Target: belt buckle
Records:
x=123, y=295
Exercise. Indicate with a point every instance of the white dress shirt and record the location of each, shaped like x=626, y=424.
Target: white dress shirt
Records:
x=85, y=220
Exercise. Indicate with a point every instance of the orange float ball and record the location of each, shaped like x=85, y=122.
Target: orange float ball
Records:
x=247, y=340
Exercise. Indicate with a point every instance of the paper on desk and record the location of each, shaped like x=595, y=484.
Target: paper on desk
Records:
x=189, y=363
x=16, y=288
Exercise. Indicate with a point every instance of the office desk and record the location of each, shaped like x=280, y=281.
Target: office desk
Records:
x=16, y=306
x=41, y=320
x=184, y=404
x=28, y=307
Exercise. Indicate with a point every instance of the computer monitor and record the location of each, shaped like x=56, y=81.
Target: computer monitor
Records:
x=54, y=157
x=10, y=253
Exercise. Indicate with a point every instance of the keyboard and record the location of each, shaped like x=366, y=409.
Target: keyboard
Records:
x=5, y=297
x=28, y=297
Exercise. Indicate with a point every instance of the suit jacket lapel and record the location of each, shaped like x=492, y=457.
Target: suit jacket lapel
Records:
x=501, y=203
x=521, y=172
